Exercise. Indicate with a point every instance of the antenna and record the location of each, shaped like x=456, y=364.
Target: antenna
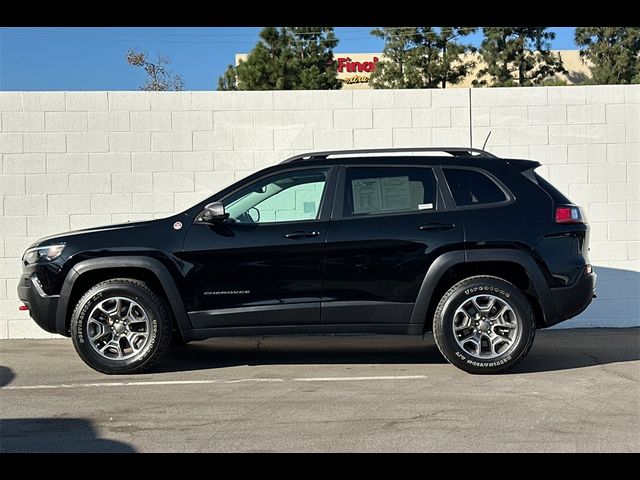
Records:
x=486, y=140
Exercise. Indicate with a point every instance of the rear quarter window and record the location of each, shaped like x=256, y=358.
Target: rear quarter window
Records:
x=552, y=191
x=472, y=187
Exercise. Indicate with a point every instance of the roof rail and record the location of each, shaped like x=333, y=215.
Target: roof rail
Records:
x=454, y=151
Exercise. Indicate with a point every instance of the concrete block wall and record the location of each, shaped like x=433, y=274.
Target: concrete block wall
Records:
x=78, y=159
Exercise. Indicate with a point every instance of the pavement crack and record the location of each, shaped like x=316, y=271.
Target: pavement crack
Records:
x=607, y=368
x=622, y=376
x=592, y=357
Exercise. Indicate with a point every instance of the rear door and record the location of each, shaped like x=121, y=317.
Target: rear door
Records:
x=389, y=224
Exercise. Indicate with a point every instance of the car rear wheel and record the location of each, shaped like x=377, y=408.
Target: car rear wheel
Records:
x=484, y=324
x=121, y=326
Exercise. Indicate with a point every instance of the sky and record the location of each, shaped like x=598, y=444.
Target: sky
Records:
x=72, y=58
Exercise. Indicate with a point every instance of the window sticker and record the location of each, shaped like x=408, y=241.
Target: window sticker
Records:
x=384, y=194
x=366, y=195
x=417, y=193
x=396, y=194
x=425, y=206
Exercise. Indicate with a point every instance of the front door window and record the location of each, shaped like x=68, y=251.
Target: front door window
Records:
x=287, y=197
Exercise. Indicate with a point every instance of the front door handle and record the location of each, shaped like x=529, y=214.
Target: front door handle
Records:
x=297, y=235
x=436, y=226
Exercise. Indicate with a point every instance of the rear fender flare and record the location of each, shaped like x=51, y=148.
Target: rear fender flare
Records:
x=449, y=259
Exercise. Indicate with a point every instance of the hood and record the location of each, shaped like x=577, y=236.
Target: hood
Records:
x=60, y=237
x=110, y=231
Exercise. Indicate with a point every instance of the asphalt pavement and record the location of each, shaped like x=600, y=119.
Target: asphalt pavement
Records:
x=578, y=390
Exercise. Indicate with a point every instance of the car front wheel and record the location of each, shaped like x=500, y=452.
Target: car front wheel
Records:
x=120, y=326
x=484, y=324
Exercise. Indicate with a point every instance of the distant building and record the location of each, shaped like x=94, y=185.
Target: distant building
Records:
x=354, y=69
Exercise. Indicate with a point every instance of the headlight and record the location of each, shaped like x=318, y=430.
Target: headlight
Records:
x=39, y=254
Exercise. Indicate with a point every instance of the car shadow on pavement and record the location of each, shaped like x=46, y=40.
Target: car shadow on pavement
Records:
x=300, y=350
x=55, y=435
x=6, y=376
x=552, y=350
x=579, y=348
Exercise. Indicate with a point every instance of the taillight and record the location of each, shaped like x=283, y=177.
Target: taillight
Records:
x=569, y=215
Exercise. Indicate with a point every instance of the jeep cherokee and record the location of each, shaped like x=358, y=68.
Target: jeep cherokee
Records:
x=478, y=249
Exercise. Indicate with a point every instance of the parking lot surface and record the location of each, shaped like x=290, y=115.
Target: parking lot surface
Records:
x=578, y=390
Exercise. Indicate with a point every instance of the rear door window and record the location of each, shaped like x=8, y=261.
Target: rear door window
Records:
x=388, y=190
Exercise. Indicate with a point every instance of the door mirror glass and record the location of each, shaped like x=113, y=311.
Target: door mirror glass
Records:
x=213, y=213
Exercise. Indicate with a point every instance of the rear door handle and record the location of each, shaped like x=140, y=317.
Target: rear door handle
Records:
x=297, y=235
x=436, y=226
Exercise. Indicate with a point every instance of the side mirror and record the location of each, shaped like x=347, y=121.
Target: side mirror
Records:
x=212, y=213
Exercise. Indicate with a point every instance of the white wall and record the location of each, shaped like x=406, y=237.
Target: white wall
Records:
x=78, y=159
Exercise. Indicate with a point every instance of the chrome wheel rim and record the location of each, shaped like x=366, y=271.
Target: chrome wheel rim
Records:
x=486, y=327
x=118, y=328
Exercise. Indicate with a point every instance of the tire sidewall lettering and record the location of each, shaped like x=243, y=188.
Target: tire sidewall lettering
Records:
x=486, y=289
x=492, y=363
x=83, y=314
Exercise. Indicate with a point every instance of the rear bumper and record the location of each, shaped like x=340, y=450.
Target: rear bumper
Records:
x=573, y=300
x=42, y=307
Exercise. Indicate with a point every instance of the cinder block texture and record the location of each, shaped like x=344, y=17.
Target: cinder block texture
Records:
x=72, y=160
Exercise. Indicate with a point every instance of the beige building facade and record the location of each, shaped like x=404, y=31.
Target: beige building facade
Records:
x=354, y=69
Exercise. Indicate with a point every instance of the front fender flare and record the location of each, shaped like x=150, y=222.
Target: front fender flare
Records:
x=150, y=264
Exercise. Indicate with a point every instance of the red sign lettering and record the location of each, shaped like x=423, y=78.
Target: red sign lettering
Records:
x=351, y=66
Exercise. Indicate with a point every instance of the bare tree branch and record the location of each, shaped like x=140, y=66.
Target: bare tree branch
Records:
x=159, y=77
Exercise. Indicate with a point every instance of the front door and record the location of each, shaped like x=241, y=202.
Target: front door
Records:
x=391, y=224
x=262, y=266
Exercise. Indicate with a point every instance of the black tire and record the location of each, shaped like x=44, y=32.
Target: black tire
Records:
x=461, y=293
x=159, y=326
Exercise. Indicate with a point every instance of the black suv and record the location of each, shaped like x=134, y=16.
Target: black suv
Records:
x=478, y=249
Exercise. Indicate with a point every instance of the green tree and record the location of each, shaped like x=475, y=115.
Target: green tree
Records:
x=228, y=80
x=287, y=58
x=614, y=53
x=269, y=66
x=315, y=65
x=441, y=56
x=159, y=77
x=401, y=65
x=421, y=57
x=517, y=56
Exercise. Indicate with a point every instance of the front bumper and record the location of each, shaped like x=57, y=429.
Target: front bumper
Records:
x=42, y=307
x=573, y=300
